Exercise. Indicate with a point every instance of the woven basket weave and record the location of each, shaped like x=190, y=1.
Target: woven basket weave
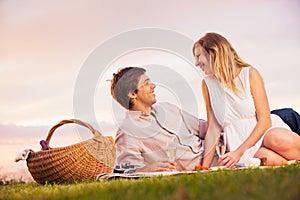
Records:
x=77, y=162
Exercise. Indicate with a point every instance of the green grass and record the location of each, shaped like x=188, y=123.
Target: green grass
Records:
x=269, y=183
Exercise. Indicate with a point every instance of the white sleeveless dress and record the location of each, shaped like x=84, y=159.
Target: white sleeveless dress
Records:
x=236, y=114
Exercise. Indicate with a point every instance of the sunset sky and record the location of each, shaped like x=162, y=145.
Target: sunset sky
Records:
x=45, y=44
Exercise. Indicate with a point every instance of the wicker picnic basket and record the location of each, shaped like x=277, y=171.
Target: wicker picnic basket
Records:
x=77, y=162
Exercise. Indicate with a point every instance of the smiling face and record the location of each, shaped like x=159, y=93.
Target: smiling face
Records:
x=202, y=60
x=144, y=97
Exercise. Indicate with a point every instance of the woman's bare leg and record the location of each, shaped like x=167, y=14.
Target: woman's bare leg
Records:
x=284, y=142
x=273, y=159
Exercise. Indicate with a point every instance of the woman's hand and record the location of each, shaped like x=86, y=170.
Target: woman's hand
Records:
x=158, y=167
x=230, y=159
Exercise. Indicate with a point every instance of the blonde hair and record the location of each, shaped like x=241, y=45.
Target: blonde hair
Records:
x=224, y=60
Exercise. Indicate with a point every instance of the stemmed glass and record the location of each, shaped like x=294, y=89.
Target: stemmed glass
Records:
x=221, y=147
x=220, y=150
x=171, y=149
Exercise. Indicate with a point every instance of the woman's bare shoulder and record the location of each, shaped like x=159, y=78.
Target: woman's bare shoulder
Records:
x=254, y=74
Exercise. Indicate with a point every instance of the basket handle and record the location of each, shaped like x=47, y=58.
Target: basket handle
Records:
x=68, y=121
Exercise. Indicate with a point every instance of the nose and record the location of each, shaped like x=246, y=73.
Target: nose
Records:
x=197, y=63
x=153, y=85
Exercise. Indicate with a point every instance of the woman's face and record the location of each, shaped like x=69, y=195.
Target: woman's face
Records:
x=202, y=60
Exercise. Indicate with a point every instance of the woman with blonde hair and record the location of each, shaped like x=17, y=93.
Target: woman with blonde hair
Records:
x=237, y=107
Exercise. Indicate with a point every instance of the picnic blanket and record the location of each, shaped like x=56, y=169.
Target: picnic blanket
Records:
x=109, y=176
x=137, y=175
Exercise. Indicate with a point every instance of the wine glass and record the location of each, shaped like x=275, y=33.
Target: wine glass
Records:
x=171, y=149
x=221, y=146
x=220, y=149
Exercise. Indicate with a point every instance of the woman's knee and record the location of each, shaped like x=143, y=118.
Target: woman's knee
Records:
x=277, y=138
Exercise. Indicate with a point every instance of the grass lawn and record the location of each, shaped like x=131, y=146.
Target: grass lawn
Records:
x=268, y=183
